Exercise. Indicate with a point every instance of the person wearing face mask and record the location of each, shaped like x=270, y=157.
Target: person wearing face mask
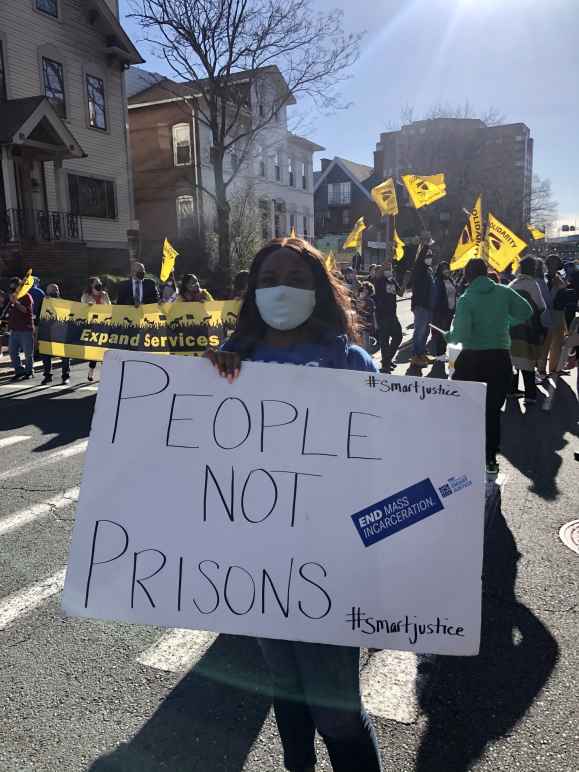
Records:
x=422, y=285
x=296, y=313
x=21, y=329
x=53, y=291
x=190, y=290
x=443, y=307
x=387, y=323
x=94, y=294
x=137, y=290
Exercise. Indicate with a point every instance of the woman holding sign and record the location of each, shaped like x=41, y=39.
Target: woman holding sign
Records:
x=295, y=312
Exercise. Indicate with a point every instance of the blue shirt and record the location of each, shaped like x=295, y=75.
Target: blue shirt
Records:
x=336, y=354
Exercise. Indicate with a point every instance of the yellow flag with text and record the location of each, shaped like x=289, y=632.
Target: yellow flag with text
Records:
x=292, y=234
x=470, y=241
x=384, y=196
x=330, y=262
x=25, y=285
x=168, y=262
x=398, y=246
x=536, y=233
x=502, y=246
x=424, y=191
x=354, y=240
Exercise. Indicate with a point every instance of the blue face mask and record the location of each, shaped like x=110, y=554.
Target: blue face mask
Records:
x=285, y=308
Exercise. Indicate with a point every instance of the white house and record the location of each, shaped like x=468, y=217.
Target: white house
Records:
x=65, y=190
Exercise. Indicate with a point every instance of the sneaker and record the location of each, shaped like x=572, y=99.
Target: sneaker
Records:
x=492, y=467
x=17, y=376
x=46, y=380
x=420, y=361
x=26, y=376
x=65, y=380
x=91, y=374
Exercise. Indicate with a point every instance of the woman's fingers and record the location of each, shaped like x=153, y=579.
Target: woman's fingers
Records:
x=227, y=363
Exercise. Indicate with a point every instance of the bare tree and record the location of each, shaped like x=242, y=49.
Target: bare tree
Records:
x=231, y=51
x=492, y=116
x=246, y=226
x=542, y=207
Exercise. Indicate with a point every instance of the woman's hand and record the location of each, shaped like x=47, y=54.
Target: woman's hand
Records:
x=227, y=363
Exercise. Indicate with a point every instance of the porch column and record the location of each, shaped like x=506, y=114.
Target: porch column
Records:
x=60, y=186
x=9, y=177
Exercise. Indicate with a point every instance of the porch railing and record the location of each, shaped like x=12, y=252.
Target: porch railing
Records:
x=39, y=225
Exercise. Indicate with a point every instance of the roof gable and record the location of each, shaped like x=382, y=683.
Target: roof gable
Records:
x=357, y=173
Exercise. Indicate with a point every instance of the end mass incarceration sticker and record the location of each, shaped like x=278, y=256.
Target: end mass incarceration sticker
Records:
x=397, y=512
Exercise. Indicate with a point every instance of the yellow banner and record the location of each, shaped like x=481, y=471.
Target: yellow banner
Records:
x=354, y=239
x=424, y=191
x=83, y=331
x=168, y=262
x=25, y=285
x=398, y=246
x=384, y=196
x=330, y=262
x=470, y=241
x=502, y=246
x=535, y=233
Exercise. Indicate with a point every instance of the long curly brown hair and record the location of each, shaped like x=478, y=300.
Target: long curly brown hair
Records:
x=333, y=313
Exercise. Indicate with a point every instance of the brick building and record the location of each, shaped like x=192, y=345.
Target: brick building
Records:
x=173, y=170
x=496, y=161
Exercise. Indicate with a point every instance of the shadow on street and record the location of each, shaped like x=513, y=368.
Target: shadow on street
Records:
x=209, y=721
x=471, y=701
x=531, y=440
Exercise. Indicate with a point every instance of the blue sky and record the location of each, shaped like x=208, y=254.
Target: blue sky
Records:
x=520, y=56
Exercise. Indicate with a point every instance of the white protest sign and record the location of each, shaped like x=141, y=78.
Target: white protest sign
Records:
x=299, y=503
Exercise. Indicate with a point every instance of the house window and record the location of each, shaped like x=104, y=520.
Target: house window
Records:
x=292, y=221
x=262, y=170
x=279, y=219
x=97, y=111
x=48, y=6
x=305, y=228
x=261, y=110
x=265, y=224
x=277, y=165
x=304, y=176
x=291, y=172
x=185, y=214
x=90, y=197
x=53, y=77
x=182, y=144
x=234, y=161
x=2, y=75
x=345, y=217
x=339, y=193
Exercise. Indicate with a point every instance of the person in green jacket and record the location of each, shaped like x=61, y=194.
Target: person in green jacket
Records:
x=484, y=315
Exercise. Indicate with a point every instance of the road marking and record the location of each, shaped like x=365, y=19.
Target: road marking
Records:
x=68, y=452
x=177, y=651
x=389, y=686
x=13, y=440
x=28, y=599
x=88, y=388
x=44, y=508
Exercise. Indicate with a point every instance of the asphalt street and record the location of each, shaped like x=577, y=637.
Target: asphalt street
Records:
x=106, y=697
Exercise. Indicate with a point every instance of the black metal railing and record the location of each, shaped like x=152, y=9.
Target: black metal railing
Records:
x=39, y=225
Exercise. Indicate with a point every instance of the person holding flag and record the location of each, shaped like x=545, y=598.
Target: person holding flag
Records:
x=422, y=285
x=21, y=326
x=387, y=323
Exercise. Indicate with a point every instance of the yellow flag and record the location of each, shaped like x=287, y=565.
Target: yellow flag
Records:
x=535, y=233
x=385, y=197
x=470, y=241
x=424, y=190
x=293, y=234
x=25, y=284
x=354, y=240
x=502, y=247
x=330, y=262
x=398, y=246
x=168, y=262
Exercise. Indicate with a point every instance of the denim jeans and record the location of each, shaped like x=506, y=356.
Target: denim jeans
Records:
x=21, y=341
x=317, y=686
x=422, y=318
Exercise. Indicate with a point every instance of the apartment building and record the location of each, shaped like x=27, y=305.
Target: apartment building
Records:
x=65, y=190
x=171, y=151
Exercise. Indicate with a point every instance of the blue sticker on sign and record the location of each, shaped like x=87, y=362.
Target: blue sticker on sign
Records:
x=397, y=512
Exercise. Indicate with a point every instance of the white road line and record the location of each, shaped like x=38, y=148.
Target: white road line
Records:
x=28, y=599
x=51, y=458
x=88, y=388
x=44, y=508
x=13, y=440
x=389, y=686
x=177, y=650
